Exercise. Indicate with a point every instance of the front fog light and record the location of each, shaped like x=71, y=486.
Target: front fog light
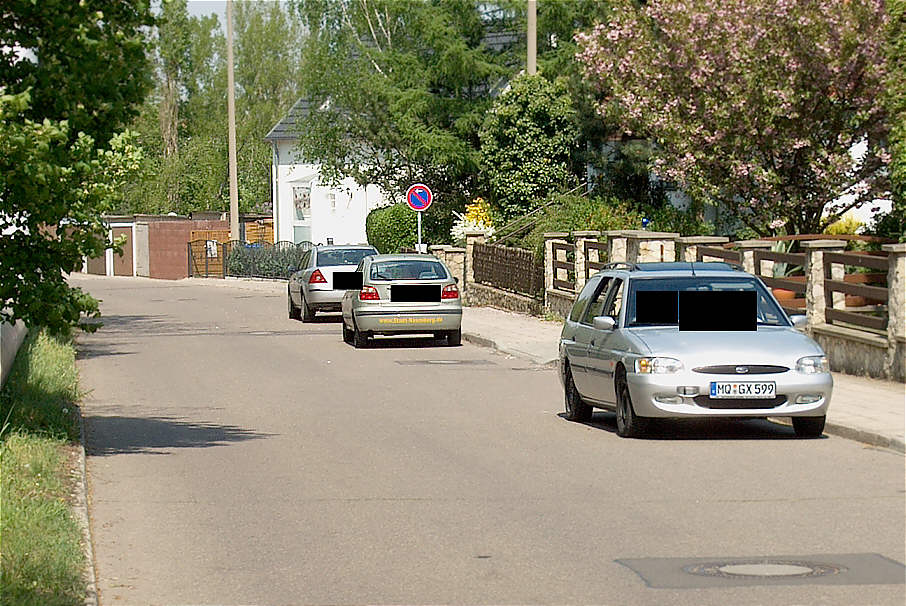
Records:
x=811, y=365
x=808, y=398
x=658, y=365
x=665, y=399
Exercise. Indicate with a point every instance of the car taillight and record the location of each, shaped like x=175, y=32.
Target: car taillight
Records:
x=317, y=277
x=369, y=293
x=449, y=292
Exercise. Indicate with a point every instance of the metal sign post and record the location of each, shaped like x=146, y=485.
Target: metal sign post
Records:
x=419, y=198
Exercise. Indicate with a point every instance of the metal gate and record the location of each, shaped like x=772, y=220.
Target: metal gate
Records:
x=207, y=258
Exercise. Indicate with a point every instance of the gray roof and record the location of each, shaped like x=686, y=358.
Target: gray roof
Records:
x=287, y=129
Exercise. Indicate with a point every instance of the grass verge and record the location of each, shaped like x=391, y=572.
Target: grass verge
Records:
x=42, y=561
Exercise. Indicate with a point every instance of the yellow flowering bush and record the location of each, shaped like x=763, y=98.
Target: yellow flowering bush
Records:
x=478, y=216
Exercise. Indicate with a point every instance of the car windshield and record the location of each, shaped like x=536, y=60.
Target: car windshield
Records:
x=408, y=269
x=342, y=256
x=661, y=309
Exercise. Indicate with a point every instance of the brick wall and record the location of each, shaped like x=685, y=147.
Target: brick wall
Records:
x=167, y=246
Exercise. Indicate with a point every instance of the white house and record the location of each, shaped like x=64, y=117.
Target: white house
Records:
x=305, y=209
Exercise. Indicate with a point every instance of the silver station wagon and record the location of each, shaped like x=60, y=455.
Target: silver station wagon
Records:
x=675, y=340
x=403, y=294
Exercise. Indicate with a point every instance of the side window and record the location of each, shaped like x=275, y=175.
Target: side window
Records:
x=582, y=300
x=615, y=300
x=596, y=308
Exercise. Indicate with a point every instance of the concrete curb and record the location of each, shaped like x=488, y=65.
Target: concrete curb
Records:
x=857, y=435
x=80, y=511
x=477, y=339
x=842, y=431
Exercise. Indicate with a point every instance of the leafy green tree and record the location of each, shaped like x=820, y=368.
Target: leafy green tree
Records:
x=71, y=76
x=752, y=103
x=893, y=224
x=527, y=141
x=401, y=89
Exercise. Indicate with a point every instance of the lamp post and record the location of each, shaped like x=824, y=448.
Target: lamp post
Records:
x=231, y=118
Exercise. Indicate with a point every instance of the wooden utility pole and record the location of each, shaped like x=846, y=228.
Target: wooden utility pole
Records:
x=231, y=117
x=532, y=38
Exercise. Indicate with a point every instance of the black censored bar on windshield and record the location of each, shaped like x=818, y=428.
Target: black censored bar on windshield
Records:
x=717, y=310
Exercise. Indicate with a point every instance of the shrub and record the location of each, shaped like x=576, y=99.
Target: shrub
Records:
x=393, y=227
x=263, y=260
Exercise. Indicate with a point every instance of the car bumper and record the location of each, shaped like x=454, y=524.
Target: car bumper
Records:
x=401, y=320
x=324, y=300
x=660, y=395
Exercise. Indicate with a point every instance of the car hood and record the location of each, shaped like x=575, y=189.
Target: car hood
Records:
x=767, y=345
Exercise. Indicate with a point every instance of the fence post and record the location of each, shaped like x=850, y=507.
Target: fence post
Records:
x=189, y=259
x=748, y=248
x=616, y=245
x=895, y=364
x=815, y=300
x=580, y=238
x=473, y=237
x=648, y=246
x=455, y=259
x=687, y=247
x=439, y=251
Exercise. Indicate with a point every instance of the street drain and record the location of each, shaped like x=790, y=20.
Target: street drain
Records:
x=763, y=569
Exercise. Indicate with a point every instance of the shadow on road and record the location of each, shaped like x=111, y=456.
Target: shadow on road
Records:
x=113, y=435
x=699, y=429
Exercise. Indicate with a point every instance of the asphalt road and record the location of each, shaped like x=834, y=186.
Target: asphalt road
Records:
x=239, y=457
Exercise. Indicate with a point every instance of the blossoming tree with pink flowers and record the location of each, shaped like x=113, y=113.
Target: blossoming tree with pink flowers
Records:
x=771, y=108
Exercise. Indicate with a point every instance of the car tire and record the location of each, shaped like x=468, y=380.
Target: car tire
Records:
x=308, y=314
x=359, y=338
x=347, y=334
x=576, y=407
x=629, y=424
x=454, y=338
x=294, y=312
x=809, y=427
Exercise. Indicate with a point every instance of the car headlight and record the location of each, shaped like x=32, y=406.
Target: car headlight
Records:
x=657, y=365
x=811, y=365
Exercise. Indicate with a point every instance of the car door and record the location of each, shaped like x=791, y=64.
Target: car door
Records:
x=583, y=335
x=577, y=351
x=606, y=346
x=295, y=281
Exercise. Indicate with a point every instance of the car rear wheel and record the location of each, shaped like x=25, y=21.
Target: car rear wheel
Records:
x=809, y=427
x=294, y=313
x=454, y=338
x=347, y=334
x=359, y=338
x=629, y=425
x=308, y=314
x=576, y=408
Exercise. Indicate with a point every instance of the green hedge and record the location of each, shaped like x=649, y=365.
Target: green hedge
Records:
x=264, y=260
x=391, y=228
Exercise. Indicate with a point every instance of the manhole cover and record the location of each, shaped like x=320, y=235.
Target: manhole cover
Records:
x=763, y=569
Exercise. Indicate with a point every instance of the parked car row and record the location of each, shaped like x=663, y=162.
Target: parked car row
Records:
x=377, y=294
x=647, y=340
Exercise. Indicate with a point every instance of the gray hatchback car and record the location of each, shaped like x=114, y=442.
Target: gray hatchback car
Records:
x=314, y=286
x=676, y=340
x=403, y=294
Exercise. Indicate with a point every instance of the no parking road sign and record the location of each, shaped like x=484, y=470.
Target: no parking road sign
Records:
x=419, y=197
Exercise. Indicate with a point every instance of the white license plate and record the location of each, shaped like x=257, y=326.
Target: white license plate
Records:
x=748, y=389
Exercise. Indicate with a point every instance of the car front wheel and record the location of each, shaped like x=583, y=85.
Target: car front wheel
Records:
x=809, y=427
x=576, y=408
x=629, y=425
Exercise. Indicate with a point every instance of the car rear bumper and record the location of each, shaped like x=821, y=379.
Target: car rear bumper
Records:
x=325, y=300
x=660, y=395
x=392, y=321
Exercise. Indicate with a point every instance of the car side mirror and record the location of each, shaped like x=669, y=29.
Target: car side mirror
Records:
x=604, y=323
x=456, y=279
x=292, y=269
x=799, y=321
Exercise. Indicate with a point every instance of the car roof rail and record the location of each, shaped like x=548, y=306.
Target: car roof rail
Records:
x=621, y=265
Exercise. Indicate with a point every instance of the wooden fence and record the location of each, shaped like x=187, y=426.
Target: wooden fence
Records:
x=872, y=313
x=512, y=269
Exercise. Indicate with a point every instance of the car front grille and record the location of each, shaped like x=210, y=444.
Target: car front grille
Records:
x=727, y=403
x=733, y=369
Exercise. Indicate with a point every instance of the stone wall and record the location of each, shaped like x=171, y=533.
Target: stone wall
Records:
x=853, y=352
x=484, y=295
x=559, y=302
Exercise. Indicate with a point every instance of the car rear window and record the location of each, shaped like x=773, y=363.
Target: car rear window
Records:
x=342, y=256
x=661, y=309
x=414, y=269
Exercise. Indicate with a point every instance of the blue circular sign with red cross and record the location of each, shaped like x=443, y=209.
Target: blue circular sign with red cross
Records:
x=419, y=197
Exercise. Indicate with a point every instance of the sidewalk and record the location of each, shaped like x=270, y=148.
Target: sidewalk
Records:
x=868, y=410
